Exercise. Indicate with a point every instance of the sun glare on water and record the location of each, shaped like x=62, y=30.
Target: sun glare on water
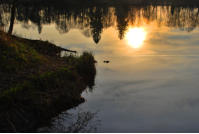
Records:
x=135, y=37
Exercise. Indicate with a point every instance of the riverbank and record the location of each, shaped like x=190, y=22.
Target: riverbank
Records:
x=36, y=83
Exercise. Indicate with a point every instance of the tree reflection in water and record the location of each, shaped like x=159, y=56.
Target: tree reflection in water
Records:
x=93, y=20
x=78, y=122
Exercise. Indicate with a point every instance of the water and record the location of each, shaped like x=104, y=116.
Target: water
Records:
x=151, y=83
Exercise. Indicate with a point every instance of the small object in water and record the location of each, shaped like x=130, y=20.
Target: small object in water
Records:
x=106, y=61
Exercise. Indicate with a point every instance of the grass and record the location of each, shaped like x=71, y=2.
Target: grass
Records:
x=37, y=84
x=16, y=56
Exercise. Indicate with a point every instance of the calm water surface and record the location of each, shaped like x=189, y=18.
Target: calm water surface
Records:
x=151, y=83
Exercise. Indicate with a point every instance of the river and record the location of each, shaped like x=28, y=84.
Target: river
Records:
x=147, y=64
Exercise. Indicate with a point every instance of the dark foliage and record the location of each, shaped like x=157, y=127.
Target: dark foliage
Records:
x=42, y=83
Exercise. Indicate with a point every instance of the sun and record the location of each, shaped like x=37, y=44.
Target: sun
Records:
x=135, y=37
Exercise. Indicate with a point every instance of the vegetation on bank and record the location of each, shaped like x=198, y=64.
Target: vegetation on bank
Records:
x=36, y=83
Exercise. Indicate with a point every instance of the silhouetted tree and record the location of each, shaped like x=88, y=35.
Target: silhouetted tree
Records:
x=122, y=20
x=96, y=23
x=12, y=18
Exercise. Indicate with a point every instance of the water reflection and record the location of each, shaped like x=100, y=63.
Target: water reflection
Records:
x=92, y=21
x=135, y=37
x=151, y=89
x=73, y=121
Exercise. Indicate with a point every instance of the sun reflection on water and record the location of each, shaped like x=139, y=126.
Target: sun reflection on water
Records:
x=135, y=37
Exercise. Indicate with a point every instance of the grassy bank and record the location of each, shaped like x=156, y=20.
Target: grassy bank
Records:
x=36, y=83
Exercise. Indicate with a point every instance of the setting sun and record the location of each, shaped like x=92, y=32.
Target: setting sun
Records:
x=135, y=37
